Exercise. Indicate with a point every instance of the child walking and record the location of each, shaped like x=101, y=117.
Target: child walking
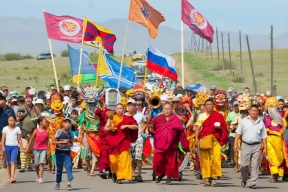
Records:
x=11, y=137
x=63, y=140
x=40, y=148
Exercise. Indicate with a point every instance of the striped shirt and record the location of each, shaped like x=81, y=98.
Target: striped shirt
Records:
x=60, y=136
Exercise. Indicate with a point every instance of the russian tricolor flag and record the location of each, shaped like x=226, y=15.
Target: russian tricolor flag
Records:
x=161, y=64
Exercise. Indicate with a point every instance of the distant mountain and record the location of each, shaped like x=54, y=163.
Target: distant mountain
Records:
x=28, y=36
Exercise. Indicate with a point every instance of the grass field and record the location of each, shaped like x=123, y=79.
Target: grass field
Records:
x=17, y=75
x=198, y=69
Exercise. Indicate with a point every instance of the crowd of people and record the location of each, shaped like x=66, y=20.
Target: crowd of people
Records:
x=119, y=131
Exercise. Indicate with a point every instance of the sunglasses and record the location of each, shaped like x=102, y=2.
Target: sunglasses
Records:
x=5, y=90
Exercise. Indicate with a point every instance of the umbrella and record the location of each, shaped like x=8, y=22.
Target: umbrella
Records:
x=196, y=87
x=184, y=91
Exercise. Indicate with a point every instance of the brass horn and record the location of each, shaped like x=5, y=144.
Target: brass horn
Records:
x=154, y=101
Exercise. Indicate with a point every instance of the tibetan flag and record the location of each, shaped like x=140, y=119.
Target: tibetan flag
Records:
x=64, y=28
x=144, y=14
x=95, y=35
x=196, y=21
x=109, y=71
x=161, y=64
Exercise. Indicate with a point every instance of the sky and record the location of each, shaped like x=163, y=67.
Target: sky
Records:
x=249, y=16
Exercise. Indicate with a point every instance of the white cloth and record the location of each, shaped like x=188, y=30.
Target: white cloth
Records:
x=11, y=136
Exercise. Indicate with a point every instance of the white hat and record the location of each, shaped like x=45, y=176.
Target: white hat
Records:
x=48, y=95
x=66, y=87
x=66, y=100
x=39, y=101
x=164, y=98
x=14, y=100
x=32, y=91
x=179, y=95
x=131, y=101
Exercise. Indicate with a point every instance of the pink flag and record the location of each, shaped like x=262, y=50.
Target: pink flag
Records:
x=64, y=28
x=196, y=21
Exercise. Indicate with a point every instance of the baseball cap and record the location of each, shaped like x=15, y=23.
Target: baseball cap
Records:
x=32, y=91
x=131, y=101
x=39, y=101
x=66, y=87
x=66, y=118
x=213, y=87
x=175, y=98
x=164, y=98
x=234, y=93
x=235, y=103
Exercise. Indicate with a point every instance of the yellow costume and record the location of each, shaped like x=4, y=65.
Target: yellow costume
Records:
x=210, y=160
x=275, y=145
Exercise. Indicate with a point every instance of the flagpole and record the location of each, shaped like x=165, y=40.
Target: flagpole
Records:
x=81, y=48
x=182, y=53
x=53, y=62
x=97, y=71
x=123, y=53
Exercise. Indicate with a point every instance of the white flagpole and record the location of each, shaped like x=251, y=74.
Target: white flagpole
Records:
x=53, y=62
x=182, y=53
x=123, y=52
x=81, y=48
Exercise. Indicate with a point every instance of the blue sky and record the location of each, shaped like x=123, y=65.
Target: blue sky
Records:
x=249, y=16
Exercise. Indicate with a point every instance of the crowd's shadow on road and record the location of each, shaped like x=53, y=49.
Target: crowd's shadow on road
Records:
x=79, y=189
x=227, y=185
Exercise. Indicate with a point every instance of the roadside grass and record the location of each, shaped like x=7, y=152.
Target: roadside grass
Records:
x=203, y=70
x=39, y=74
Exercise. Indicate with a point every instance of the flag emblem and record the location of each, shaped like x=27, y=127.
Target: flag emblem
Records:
x=145, y=11
x=69, y=27
x=198, y=19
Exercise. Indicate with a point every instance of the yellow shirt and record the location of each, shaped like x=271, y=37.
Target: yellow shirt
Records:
x=202, y=117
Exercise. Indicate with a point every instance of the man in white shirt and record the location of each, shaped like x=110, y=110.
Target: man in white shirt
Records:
x=253, y=133
x=136, y=147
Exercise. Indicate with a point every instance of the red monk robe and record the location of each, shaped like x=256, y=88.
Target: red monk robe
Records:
x=119, y=144
x=208, y=128
x=104, y=162
x=166, y=138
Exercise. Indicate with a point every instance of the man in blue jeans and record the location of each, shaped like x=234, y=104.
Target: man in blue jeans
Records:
x=63, y=140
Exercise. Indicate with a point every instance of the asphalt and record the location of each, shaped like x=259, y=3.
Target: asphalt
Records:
x=82, y=182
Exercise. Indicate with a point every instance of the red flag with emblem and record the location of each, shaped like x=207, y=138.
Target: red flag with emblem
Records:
x=196, y=21
x=64, y=28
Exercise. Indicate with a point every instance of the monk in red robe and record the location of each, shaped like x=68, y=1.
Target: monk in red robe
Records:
x=104, y=163
x=211, y=134
x=123, y=130
x=168, y=130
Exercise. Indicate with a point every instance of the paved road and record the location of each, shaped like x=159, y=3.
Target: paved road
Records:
x=82, y=182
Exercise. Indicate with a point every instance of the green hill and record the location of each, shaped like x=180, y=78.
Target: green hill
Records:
x=199, y=68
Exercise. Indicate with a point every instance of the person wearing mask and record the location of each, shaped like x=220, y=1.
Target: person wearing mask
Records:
x=253, y=133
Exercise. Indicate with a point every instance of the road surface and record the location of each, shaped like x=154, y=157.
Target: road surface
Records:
x=229, y=182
